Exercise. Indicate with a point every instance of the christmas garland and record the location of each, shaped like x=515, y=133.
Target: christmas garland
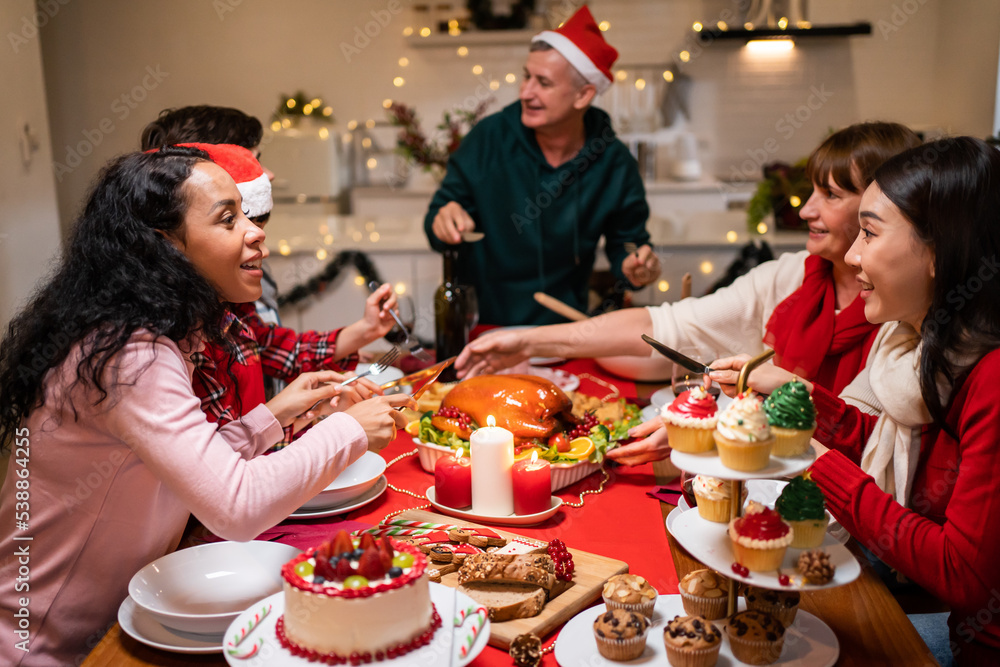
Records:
x=331, y=274
x=483, y=17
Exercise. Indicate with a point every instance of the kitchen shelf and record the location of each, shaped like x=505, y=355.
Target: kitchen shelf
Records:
x=710, y=35
x=472, y=38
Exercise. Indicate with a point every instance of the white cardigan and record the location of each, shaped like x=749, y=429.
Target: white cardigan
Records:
x=733, y=319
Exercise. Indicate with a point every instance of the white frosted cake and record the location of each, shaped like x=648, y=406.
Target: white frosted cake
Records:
x=357, y=599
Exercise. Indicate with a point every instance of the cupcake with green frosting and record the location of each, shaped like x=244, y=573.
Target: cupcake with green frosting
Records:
x=792, y=416
x=802, y=506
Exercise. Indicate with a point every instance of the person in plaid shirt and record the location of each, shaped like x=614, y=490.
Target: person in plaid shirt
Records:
x=267, y=355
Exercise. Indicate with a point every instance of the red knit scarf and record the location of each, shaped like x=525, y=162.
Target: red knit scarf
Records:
x=813, y=341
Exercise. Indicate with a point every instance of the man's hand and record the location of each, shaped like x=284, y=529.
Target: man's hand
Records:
x=654, y=446
x=491, y=352
x=449, y=223
x=642, y=266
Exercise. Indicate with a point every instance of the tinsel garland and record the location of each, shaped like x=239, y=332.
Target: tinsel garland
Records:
x=330, y=274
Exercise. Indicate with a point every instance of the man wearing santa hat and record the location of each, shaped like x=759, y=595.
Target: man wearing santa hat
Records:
x=544, y=179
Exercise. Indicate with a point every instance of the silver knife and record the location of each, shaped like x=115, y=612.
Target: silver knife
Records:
x=677, y=357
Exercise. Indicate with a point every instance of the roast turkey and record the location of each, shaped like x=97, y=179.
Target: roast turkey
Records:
x=529, y=407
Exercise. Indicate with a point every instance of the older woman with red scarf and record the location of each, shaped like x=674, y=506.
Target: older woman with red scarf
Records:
x=803, y=305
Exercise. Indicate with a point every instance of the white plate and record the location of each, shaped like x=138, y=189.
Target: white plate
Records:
x=560, y=378
x=808, y=643
x=388, y=375
x=709, y=464
x=142, y=627
x=371, y=494
x=510, y=520
x=709, y=543
x=674, y=513
x=352, y=482
x=271, y=653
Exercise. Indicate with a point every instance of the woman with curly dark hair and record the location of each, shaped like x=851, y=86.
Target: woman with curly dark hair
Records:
x=111, y=451
x=927, y=260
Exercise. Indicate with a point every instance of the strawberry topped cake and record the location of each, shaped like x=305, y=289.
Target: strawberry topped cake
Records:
x=690, y=420
x=760, y=538
x=356, y=600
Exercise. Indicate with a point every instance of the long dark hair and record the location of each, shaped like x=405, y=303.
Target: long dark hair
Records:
x=118, y=274
x=950, y=191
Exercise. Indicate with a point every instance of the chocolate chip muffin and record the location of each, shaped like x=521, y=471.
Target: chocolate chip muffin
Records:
x=705, y=593
x=756, y=638
x=621, y=634
x=692, y=641
x=783, y=605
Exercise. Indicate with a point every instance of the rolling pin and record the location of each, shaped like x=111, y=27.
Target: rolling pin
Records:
x=557, y=306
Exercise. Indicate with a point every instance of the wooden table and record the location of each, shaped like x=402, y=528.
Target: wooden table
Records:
x=870, y=625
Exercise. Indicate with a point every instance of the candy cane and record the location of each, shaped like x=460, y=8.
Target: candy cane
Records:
x=481, y=614
x=245, y=632
x=379, y=531
x=422, y=524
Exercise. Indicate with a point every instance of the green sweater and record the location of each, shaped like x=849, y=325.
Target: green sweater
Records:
x=542, y=224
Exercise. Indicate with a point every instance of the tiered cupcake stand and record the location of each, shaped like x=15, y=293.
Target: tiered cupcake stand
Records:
x=709, y=543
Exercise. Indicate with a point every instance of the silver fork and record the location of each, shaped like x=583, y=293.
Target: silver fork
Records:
x=411, y=344
x=375, y=368
x=379, y=366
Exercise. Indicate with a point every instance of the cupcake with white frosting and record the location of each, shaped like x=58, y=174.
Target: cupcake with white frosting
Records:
x=714, y=498
x=743, y=436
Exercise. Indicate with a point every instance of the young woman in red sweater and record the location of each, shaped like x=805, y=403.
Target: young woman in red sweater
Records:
x=928, y=258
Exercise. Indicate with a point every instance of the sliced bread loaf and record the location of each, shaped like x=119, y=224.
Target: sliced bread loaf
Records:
x=506, y=601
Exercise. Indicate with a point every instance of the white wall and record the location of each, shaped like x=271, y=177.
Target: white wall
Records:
x=934, y=67
x=29, y=221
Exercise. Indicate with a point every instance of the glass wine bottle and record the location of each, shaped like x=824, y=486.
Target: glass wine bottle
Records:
x=452, y=318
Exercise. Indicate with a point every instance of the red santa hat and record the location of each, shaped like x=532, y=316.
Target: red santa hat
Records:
x=580, y=41
x=253, y=184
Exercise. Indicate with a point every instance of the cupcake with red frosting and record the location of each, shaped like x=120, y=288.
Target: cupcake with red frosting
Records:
x=691, y=420
x=760, y=538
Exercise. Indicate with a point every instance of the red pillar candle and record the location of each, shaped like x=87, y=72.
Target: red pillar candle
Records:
x=532, y=485
x=453, y=480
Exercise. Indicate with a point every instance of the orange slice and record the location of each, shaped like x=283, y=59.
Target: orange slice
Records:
x=580, y=448
x=413, y=428
x=526, y=453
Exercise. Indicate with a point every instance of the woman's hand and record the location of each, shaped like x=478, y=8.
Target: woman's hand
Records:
x=655, y=447
x=295, y=402
x=376, y=316
x=764, y=379
x=491, y=352
x=379, y=417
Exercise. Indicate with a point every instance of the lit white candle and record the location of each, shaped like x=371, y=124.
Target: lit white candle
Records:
x=492, y=451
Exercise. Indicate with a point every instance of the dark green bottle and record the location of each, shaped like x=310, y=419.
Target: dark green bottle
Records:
x=452, y=320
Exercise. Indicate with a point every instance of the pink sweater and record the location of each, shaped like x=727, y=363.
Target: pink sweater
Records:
x=111, y=491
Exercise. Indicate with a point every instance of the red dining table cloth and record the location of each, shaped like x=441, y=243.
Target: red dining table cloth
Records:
x=621, y=522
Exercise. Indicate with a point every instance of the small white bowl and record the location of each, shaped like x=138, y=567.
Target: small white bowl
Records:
x=351, y=483
x=643, y=369
x=203, y=589
x=563, y=474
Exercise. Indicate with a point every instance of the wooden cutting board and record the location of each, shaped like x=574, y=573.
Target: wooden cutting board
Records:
x=591, y=571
